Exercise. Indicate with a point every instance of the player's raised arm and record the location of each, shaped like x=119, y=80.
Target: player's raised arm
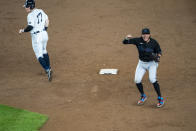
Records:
x=129, y=40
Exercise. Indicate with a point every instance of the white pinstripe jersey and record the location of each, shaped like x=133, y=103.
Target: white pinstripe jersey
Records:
x=37, y=18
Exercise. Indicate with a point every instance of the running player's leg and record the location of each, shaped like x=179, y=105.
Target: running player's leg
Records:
x=47, y=59
x=37, y=47
x=44, y=41
x=45, y=53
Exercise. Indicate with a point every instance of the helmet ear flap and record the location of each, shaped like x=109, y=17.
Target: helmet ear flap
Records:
x=32, y=6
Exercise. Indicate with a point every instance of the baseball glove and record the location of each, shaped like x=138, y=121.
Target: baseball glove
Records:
x=156, y=57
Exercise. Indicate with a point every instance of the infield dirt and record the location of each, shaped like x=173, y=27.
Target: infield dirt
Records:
x=85, y=36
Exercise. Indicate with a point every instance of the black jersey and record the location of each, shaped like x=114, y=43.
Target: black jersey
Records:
x=146, y=50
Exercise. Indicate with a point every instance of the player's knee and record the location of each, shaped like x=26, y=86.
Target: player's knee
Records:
x=39, y=56
x=152, y=79
x=45, y=51
x=137, y=80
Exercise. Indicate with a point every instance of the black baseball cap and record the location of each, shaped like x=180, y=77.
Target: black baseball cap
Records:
x=145, y=31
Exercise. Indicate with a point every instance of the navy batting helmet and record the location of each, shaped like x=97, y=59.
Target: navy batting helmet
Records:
x=30, y=3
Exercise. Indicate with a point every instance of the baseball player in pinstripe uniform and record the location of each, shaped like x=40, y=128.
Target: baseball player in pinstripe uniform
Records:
x=38, y=23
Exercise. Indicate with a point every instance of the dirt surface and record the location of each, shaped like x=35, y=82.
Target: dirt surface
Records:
x=85, y=36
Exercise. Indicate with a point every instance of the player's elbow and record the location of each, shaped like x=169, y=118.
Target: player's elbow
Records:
x=28, y=28
x=47, y=23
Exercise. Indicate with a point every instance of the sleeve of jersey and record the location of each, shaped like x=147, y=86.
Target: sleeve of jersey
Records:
x=158, y=48
x=45, y=15
x=130, y=41
x=30, y=20
x=46, y=18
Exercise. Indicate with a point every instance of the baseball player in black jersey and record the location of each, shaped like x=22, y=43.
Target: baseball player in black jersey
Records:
x=149, y=56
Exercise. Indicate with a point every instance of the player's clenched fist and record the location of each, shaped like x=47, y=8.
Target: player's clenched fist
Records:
x=21, y=31
x=129, y=36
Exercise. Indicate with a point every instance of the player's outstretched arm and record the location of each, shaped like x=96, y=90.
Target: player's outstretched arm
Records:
x=128, y=39
x=27, y=29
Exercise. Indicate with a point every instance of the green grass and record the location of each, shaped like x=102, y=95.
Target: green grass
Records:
x=12, y=119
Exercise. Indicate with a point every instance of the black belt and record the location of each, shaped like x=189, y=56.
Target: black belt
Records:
x=38, y=31
x=146, y=60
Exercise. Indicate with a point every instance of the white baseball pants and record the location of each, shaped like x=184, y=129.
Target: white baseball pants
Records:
x=39, y=43
x=141, y=69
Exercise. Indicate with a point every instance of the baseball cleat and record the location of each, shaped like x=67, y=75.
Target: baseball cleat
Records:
x=142, y=100
x=161, y=102
x=49, y=72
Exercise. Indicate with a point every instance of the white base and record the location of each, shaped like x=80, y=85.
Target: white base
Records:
x=108, y=71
